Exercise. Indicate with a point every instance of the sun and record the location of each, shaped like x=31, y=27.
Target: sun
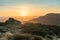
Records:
x=24, y=13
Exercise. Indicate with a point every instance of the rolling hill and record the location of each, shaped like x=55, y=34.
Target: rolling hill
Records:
x=50, y=19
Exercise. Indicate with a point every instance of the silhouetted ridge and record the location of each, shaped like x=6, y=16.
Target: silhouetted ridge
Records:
x=12, y=21
x=50, y=19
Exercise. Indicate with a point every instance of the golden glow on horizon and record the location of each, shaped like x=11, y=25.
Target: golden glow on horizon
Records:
x=24, y=13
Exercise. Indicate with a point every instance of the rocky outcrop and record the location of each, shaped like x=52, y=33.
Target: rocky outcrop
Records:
x=12, y=25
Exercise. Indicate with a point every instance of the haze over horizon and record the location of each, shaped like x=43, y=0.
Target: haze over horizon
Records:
x=26, y=9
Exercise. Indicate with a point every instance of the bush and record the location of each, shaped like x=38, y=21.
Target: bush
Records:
x=19, y=37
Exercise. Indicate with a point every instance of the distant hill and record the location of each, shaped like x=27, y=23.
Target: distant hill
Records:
x=50, y=19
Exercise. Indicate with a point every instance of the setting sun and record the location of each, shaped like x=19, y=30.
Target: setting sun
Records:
x=24, y=13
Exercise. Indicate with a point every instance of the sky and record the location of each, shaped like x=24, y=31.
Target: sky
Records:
x=31, y=8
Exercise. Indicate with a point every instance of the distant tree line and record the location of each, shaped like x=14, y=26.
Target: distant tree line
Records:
x=41, y=29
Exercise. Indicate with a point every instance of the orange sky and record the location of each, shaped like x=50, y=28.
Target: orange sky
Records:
x=28, y=9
